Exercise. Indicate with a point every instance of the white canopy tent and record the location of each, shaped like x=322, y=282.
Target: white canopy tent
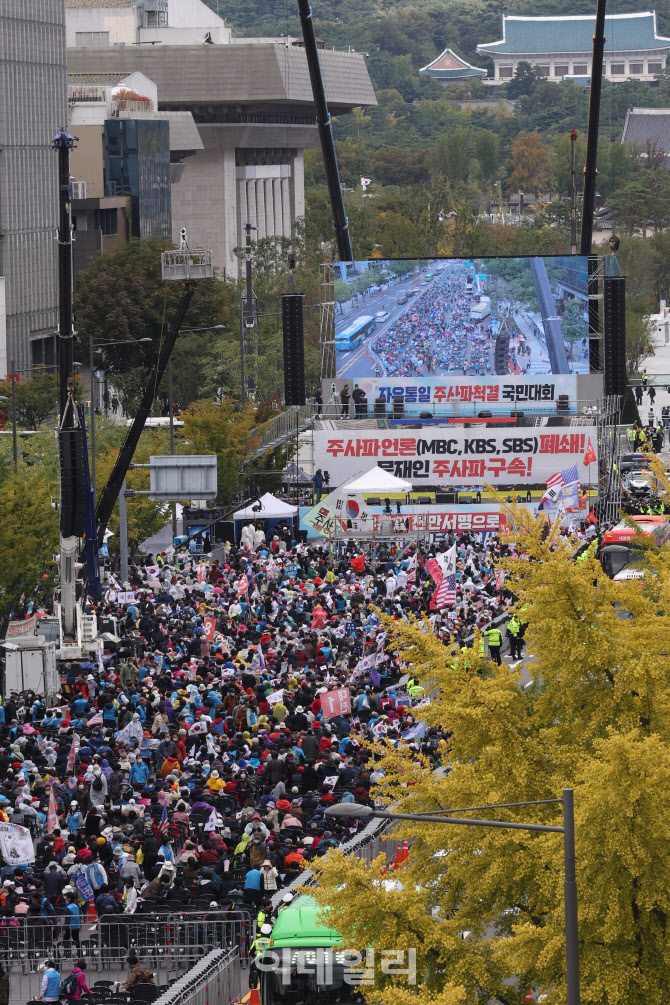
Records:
x=271, y=509
x=376, y=481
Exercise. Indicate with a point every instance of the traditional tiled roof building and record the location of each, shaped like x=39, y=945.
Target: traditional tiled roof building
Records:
x=562, y=46
x=449, y=68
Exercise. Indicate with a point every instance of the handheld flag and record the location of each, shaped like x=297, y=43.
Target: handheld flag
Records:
x=590, y=454
x=417, y=732
x=52, y=813
x=72, y=756
x=163, y=825
x=446, y=588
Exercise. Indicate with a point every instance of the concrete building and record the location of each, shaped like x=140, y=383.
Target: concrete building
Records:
x=126, y=160
x=562, y=47
x=33, y=104
x=97, y=23
x=449, y=68
x=252, y=104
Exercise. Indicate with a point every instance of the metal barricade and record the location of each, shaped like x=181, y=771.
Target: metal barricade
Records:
x=168, y=943
x=215, y=980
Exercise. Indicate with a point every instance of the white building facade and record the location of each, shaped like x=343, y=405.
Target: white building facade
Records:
x=101, y=23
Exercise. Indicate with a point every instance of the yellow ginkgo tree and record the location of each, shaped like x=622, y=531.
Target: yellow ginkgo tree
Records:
x=483, y=908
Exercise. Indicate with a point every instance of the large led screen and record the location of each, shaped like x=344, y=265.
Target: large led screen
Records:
x=467, y=317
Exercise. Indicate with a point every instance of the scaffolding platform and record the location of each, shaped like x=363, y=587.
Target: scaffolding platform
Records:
x=187, y=266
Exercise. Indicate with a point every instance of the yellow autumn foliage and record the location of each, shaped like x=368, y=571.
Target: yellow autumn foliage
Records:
x=595, y=718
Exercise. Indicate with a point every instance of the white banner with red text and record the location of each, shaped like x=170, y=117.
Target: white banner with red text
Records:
x=464, y=458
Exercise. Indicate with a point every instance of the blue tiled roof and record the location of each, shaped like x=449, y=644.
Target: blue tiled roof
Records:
x=575, y=34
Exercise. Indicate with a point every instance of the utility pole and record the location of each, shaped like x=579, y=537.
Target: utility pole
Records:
x=173, y=506
x=590, y=169
x=70, y=433
x=248, y=326
x=573, y=192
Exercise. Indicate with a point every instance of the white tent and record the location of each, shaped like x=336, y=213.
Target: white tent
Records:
x=378, y=482
x=272, y=509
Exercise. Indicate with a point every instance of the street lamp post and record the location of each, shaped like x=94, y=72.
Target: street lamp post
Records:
x=567, y=830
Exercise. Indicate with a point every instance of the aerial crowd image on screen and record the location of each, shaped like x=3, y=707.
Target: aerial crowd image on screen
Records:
x=471, y=317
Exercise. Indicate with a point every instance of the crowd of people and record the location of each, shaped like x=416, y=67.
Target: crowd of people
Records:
x=194, y=763
x=436, y=335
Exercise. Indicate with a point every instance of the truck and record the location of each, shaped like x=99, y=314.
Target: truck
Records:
x=619, y=552
x=304, y=960
x=30, y=665
x=481, y=309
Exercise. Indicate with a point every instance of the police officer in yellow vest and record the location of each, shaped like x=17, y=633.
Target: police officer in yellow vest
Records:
x=514, y=636
x=256, y=950
x=494, y=637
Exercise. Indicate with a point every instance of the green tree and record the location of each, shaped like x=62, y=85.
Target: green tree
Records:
x=145, y=517
x=529, y=163
x=524, y=80
x=28, y=537
x=596, y=718
x=631, y=201
x=220, y=429
x=452, y=154
x=486, y=150
x=640, y=332
x=120, y=296
x=36, y=398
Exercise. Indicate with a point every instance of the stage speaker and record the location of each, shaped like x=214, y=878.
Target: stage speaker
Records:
x=502, y=354
x=294, y=348
x=615, y=334
x=446, y=498
x=73, y=483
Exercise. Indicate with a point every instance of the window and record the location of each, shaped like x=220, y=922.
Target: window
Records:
x=636, y=67
x=560, y=69
x=542, y=70
x=89, y=38
x=617, y=69
x=654, y=67
x=506, y=72
x=43, y=352
x=107, y=221
x=580, y=69
x=155, y=19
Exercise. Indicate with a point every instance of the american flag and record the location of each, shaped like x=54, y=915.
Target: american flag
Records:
x=163, y=825
x=557, y=483
x=563, y=477
x=446, y=589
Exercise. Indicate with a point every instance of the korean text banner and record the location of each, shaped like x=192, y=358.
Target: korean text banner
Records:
x=456, y=458
x=464, y=395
